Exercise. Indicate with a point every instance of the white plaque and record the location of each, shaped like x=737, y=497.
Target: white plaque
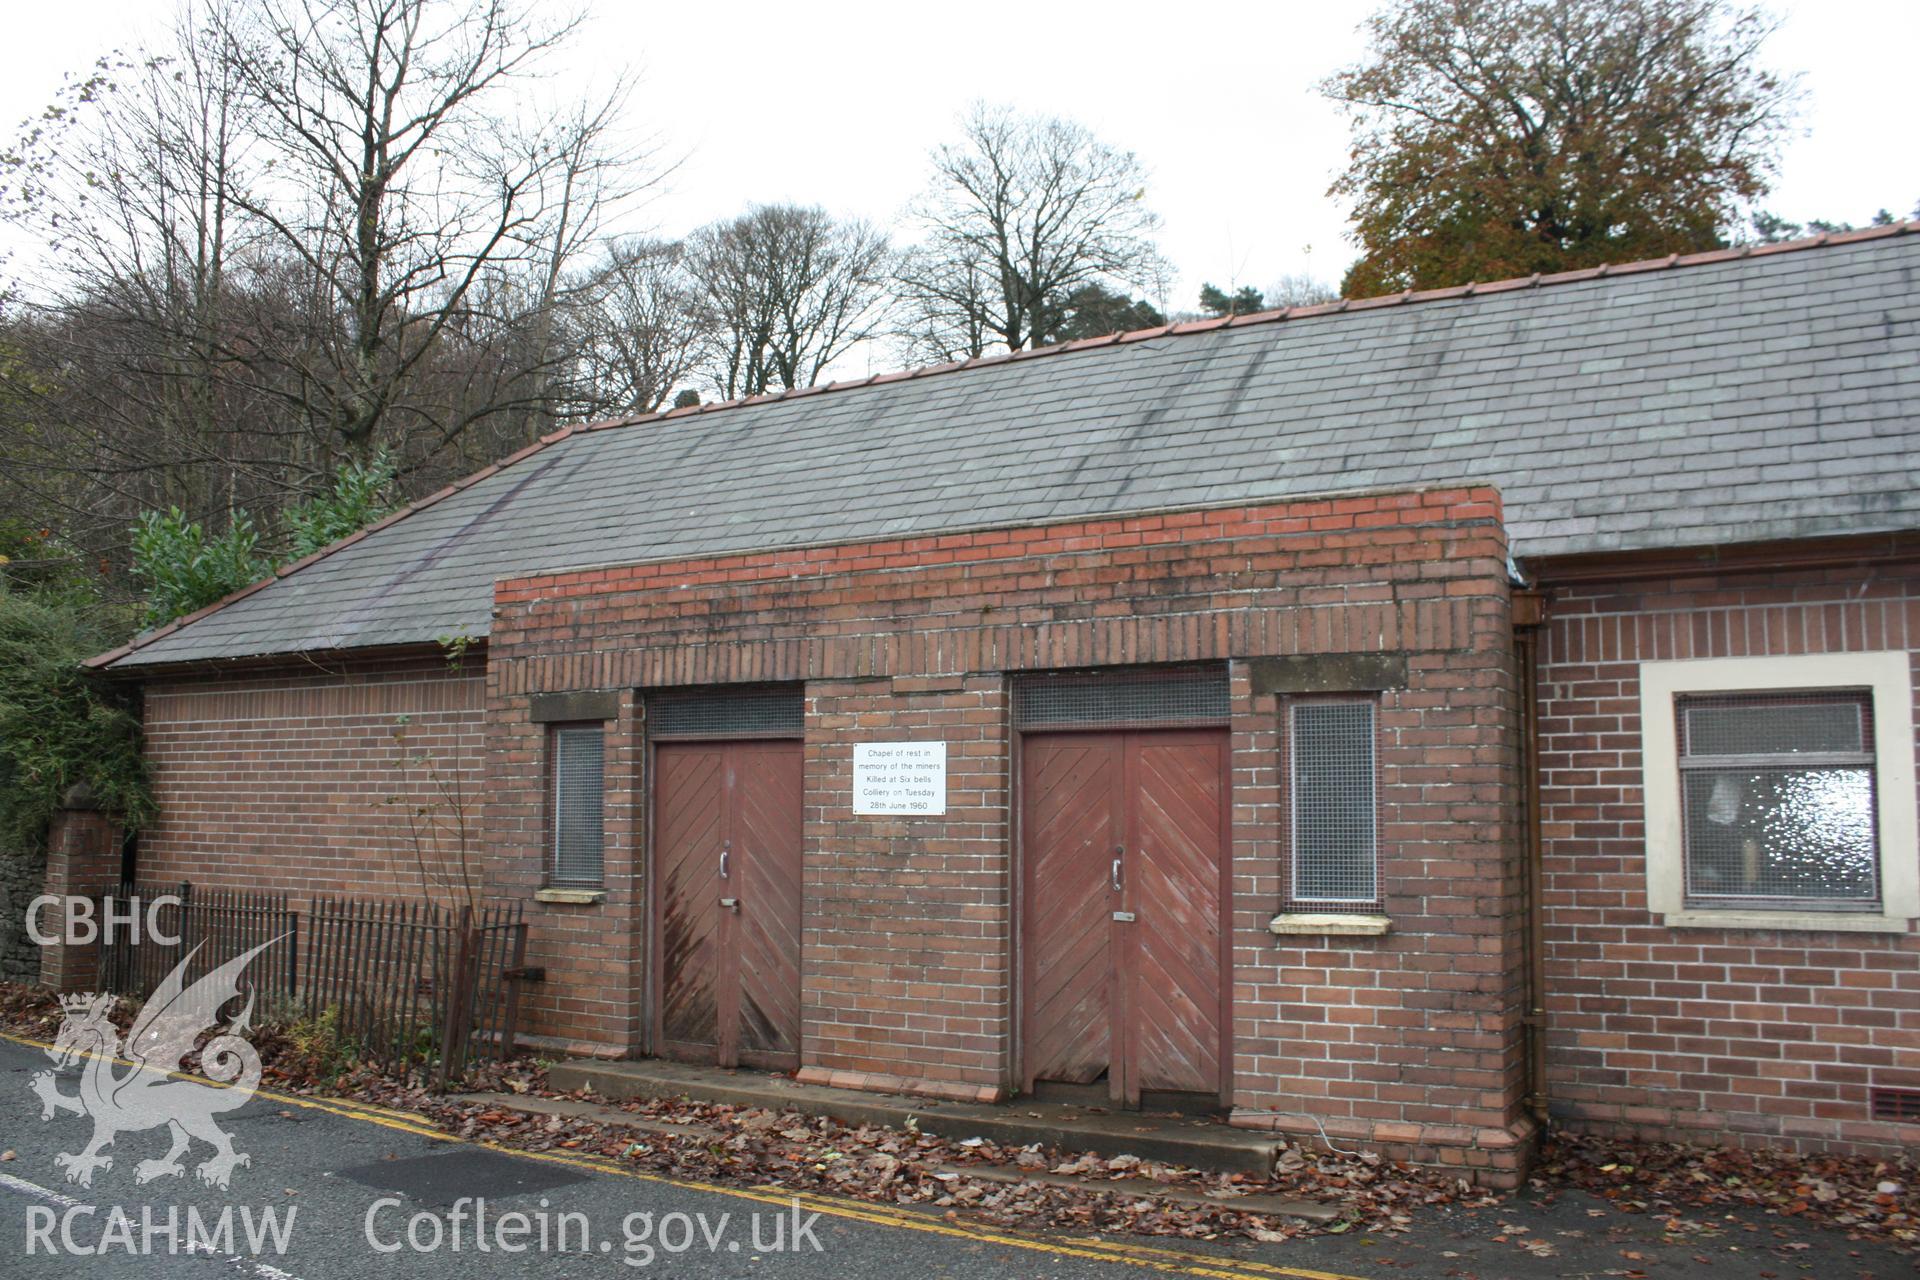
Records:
x=900, y=777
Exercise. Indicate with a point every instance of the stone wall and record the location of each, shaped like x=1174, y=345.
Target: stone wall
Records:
x=21, y=874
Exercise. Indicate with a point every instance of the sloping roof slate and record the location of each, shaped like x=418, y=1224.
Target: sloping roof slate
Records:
x=1742, y=398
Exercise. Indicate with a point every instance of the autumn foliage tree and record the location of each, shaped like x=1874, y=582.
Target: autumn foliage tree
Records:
x=1495, y=138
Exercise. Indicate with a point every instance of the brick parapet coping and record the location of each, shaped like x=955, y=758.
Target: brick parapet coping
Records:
x=1369, y=518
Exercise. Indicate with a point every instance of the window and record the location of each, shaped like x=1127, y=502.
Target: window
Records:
x=578, y=756
x=1776, y=795
x=1778, y=789
x=1331, y=751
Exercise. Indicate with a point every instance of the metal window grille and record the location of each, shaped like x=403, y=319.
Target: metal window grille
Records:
x=579, y=783
x=1902, y=1105
x=727, y=713
x=1335, y=841
x=1198, y=696
x=1777, y=800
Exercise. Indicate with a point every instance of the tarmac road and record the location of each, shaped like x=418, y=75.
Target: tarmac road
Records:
x=353, y=1180
x=359, y=1192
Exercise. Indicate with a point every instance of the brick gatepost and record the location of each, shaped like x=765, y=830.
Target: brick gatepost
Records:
x=83, y=861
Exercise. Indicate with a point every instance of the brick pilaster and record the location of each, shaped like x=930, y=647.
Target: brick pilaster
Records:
x=83, y=861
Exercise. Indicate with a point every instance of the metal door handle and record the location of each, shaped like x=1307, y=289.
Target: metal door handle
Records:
x=723, y=862
x=731, y=904
x=1116, y=875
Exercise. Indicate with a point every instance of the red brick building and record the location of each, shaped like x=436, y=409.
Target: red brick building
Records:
x=1403, y=721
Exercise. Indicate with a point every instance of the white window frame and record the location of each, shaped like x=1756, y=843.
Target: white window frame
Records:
x=1887, y=678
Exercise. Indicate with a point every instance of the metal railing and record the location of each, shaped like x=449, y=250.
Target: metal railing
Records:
x=405, y=984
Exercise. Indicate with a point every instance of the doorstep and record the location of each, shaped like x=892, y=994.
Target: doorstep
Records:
x=1169, y=1139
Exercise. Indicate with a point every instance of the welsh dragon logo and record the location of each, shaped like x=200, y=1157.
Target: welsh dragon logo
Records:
x=144, y=1096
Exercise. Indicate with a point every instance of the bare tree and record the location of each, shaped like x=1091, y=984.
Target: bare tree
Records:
x=1021, y=213
x=121, y=390
x=296, y=229
x=398, y=191
x=1297, y=289
x=785, y=291
x=636, y=333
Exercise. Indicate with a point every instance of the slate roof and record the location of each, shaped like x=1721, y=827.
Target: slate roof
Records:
x=1719, y=398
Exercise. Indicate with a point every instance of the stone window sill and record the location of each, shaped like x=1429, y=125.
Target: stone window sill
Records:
x=571, y=897
x=1789, y=921
x=1328, y=924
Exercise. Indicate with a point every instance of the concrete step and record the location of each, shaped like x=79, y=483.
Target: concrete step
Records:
x=592, y=1112
x=1169, y=1139
x=1272, y=1206
x=1141, y=1189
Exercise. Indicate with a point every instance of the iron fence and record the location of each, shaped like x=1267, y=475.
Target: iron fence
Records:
x=406, y=984
x=414, y=982
x=212, y=926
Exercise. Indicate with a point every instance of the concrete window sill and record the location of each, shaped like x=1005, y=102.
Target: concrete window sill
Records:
x=1289, y=924
x=571, y=897
x=1786, y=921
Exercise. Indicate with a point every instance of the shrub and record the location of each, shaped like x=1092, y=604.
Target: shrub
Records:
x=186, y=569
x=59, y=726
x=356, y=499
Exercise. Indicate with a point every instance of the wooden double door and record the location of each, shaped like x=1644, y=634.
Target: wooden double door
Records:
x=1123, y=848
x=727, y=864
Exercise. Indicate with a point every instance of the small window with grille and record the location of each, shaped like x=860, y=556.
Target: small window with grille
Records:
x=578, y=756
x=1331, y=757
x=1777, y=800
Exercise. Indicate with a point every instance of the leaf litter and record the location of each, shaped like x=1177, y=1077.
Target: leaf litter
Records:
x=1868, y=1198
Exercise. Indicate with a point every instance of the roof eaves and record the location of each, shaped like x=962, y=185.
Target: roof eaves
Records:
x=102, y=660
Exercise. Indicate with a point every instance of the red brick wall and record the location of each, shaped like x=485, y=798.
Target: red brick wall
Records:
x=908, y=960
x=905, y=957
x=280, y=780
x=1766, y=1035
x=1409, y=1040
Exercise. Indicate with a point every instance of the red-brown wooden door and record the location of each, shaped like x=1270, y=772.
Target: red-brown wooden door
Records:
x=1124, y=839
x=727, y=856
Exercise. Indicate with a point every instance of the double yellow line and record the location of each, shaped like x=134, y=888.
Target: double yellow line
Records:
x=1147, y=1257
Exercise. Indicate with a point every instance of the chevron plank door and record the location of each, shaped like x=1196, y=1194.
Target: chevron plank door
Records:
x=765, y=807
x=689, y=830
x=727, y=831
x=1177, y=837
x=1070, y=836
x=1123, y=843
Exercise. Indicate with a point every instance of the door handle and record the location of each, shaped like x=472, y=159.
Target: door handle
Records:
x=725, y=850
x=1116, y=875
x=730, y=904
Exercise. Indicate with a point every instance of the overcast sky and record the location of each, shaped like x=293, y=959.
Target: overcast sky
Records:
x=837, y=103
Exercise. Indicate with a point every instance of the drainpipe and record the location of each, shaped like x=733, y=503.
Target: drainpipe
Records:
x=1529, y=612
